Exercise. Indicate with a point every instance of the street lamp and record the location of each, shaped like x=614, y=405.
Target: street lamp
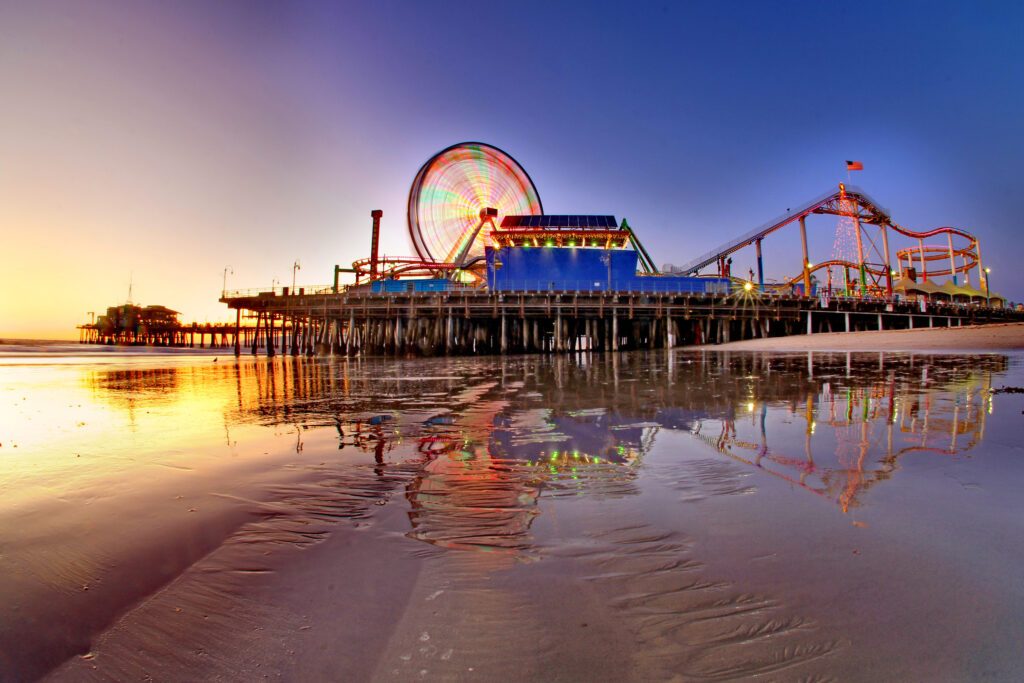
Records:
x=295, y=267
x=988, y=299
x=224, y=286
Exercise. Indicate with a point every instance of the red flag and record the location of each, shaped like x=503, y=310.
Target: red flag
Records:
x=854, y=166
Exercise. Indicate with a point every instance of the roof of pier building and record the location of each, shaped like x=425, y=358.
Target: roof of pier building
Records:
x=560, y=231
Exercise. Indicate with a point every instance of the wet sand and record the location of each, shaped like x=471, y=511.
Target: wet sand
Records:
x=1003, y=336
x=611, y=518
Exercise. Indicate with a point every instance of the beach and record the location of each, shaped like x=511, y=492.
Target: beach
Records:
x=1005, y=336
x=607, y=517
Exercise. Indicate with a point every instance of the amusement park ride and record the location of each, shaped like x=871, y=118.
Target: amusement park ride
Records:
x=493, y=273
x=471, y=198
x=473, y=210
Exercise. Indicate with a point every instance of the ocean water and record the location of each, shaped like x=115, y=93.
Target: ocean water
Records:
x=679, y=515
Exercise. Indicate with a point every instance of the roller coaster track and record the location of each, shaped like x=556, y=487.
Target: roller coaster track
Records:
x=848, y=200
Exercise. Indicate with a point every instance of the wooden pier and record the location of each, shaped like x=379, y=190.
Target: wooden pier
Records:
x=475, y=322
x=209, y=335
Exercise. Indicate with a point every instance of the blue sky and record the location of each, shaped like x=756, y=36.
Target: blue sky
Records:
x=184, y=137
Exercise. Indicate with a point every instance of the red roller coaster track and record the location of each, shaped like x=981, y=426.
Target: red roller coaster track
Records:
x=854, y=203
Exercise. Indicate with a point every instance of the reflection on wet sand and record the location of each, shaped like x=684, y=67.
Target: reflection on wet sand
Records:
x=874, y=414
x=476, y=451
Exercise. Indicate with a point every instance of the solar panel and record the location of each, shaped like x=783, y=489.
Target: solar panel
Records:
x=560, y=221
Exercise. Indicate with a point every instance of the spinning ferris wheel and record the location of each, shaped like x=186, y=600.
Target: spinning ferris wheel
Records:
x=453, y=188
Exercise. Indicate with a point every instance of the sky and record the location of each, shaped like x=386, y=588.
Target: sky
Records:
x=153, y=145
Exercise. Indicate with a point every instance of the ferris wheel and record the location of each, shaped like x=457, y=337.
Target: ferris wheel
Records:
x=453, y=188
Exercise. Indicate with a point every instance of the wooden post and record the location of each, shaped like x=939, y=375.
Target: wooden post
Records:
x=238, y=326
x=558, y=329
x=256, y=332
x=504, y=333
x=270, y=334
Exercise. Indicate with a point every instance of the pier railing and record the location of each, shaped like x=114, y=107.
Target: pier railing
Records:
x=654, y=286
x=280, y=291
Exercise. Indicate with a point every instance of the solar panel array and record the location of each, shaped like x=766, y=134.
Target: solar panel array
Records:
x=595, y=222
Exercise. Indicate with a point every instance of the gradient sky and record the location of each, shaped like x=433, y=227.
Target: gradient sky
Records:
x=161, y=142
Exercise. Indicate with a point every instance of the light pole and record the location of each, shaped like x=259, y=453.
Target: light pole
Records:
x=988, y=298
x=295, y=267
x=224, y=286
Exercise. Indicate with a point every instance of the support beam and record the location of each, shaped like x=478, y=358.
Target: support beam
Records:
x=860, y=257
x=952, y=259
x=803, y=245
x=888, y=267
x=760, y=267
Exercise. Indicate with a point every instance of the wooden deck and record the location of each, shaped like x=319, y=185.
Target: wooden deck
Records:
x=466, y=322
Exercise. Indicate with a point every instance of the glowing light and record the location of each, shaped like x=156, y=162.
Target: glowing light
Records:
x=453, y=186
x=572, y=243
x=550, y=243
x=748, y=286
x=750, y=407
x=988, y=270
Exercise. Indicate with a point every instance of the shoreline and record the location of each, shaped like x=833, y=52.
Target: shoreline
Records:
x=992, y=337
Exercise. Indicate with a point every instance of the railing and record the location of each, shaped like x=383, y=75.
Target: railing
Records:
x=652, y=285
x=280, y=291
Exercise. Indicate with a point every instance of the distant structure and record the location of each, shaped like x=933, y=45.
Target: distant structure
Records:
x=134, y=325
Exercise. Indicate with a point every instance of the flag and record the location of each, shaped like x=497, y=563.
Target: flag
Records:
x=854, y=166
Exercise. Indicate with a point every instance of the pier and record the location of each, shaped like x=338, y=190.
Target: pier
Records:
x=468, y=321
x=196, y=335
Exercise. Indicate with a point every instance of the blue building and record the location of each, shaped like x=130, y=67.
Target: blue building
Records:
x=586, y=269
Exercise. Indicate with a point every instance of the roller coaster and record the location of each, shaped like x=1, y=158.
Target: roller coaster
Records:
x=874, y=269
